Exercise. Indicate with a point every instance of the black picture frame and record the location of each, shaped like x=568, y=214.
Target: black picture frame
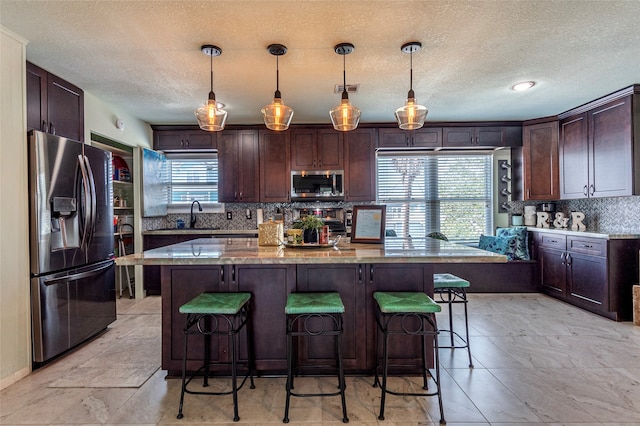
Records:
x=368, y=224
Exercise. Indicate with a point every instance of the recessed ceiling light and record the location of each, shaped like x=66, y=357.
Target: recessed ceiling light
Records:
x=525, y=85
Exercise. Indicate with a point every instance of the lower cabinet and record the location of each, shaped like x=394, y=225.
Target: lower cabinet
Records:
x=269, y=286
x=596, y=274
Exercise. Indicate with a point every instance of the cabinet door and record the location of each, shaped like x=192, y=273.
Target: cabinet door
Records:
x=248, y=172
x=458, y=136
x=228, y=166
x=269, y=286
x=179, y=285
x=552, y=271
x=360, y=165
x=329, y=148
x=490, y=136
x=347, y=280
x=610, y=144
x=65, y=109
x=164, y=140
x=275, y=176
x=303, y=149
x=587, y=281
x=238, y=172
x=427, y=137
x=36, y=98
x=540, y=157
x=199, y=139
x=393, y=138
x=396, y=277
x=574, y=160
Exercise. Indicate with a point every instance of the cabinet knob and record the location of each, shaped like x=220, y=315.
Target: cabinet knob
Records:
x=584, y=191
x=592, y=189
x=44, y=127
x=52, y=128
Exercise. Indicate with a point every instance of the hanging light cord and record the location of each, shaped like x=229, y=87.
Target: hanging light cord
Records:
x=345, y=95
x=411, y=93
x=277, y=94
x=211, y=59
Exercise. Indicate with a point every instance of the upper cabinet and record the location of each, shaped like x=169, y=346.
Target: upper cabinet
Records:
x=540, y=161
x=275, y=171
x=360, y=164
x=238, y=166
x=177, y=140
x=316, y=149
x=54, y=105
x=426, y=137
x=598, y=142
x=479, y=136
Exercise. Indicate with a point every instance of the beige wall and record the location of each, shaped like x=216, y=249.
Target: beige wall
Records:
x=15, y=326
x=15, y=319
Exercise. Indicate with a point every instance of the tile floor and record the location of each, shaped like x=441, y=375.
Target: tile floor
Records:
x=537, y=362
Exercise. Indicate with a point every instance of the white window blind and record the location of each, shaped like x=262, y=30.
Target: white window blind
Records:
x=431, y=191
x=193, y=177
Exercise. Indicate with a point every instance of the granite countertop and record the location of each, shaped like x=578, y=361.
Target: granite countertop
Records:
x=201, y=231
x=592, y=233
x=221, y=251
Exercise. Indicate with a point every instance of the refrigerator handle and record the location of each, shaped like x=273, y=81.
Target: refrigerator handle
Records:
x=88, y=208
x=77, y=276
x=94, y=201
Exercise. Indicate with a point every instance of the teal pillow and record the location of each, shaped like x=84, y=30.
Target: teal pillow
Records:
x=500, y=245
x=522, y=240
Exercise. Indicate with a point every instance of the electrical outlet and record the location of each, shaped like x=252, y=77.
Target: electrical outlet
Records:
x=229, y=216
x=247, y=214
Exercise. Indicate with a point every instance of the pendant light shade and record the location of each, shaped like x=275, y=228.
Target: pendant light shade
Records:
x=210, y=117
x=345, y=117
x=411, y=116
x=277, y=116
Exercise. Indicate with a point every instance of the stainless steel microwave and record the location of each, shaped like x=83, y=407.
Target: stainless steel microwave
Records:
x=317, y=185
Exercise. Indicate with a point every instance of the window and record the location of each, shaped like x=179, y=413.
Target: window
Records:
x=193, y=177
x=432, y=191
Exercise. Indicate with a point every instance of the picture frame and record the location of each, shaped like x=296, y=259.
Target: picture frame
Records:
x=368, y=224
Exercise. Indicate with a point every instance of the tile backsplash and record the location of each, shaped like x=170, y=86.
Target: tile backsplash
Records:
x=612, y=215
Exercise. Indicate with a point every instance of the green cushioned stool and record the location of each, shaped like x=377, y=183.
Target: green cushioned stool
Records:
x=396, y=314
x=452, y=290
x=217, y=314
x=314, y=314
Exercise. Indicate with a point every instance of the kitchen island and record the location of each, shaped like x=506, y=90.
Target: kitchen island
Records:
x=270, y=273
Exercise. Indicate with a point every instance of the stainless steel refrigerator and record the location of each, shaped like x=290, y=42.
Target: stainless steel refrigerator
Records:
x=71, y=242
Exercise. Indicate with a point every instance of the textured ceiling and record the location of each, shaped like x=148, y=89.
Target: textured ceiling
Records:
x=144, y=56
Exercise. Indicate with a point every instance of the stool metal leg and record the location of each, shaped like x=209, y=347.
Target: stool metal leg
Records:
x=184, y=368
x=289, y=384
x=234, y=378
x=341, y=381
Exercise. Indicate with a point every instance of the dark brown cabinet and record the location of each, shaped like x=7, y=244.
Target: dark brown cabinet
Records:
x=316, y=149
x=347, y=280
x=426, y=137
x=238, y=166
x=275, y=174
x=178, y=140
x=474, y=137
x=594, y=144
x=269, y=286
x=53, y=104
x=360, y=164
x=541, y=176
x=596, y=274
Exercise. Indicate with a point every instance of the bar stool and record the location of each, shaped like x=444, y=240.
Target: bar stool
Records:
x=400, y=307
x=451, y=290
x=208, y=313
x=301, y=310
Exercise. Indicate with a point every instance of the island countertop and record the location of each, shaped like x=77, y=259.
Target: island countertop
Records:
x=223, y=251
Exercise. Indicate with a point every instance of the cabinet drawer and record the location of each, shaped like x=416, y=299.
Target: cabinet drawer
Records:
x=552, y=241
x=593, y=246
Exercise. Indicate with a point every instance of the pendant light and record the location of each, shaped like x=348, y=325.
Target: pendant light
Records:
x=411, y=116
x=345, y=117
x=210, y=117
x=277, y=116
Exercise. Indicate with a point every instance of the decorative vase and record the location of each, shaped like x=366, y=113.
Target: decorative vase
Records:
x=310, y=236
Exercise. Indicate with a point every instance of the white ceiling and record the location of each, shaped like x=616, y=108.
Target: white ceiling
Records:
x=144, y=56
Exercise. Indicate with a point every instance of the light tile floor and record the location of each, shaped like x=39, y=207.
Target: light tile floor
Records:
x=537, y=361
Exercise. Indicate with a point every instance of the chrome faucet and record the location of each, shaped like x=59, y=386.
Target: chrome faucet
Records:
x=192, y=222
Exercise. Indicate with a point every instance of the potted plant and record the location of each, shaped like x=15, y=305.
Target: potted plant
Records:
x=311, y=225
